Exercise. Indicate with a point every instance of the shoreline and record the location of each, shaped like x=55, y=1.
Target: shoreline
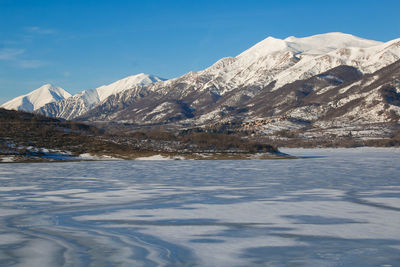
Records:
x=147, y=156
x=284, y=153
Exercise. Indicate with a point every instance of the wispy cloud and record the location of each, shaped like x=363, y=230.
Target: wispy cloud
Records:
x=19, y=57
x=16, y=57
x=10, y=53
x=39, y=30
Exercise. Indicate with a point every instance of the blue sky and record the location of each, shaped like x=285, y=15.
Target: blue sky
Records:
x=84, y=44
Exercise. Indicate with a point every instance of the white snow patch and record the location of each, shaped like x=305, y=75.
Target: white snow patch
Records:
x=88, y=156
x=7, y=159
x=161, y=157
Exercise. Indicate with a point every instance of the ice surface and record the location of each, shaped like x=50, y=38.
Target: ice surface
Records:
x=330, y=207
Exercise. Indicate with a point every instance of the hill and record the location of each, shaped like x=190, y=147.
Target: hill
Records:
x=33, y=137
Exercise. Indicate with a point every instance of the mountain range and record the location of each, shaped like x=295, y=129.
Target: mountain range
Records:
x=67, y=106
x=317, y=82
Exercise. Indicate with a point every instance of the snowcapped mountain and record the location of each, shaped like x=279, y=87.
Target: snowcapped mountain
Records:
x=215, y=93
x=37, y=98
x=86, y=100
x=284, y=61
x=323, y=81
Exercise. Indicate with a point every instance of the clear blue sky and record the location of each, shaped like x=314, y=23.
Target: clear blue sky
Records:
x=84, y=44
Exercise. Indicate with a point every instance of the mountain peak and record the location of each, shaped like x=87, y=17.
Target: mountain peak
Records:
x=47, y=87
x=37, y=98
x=267, y=46
x=315, y=45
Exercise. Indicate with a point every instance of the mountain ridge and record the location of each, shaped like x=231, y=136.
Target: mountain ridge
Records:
x=230, y=82
x=83, y=101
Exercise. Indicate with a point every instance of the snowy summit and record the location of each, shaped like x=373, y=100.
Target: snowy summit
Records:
x=79, y=103
x=82, y=102
x=37, y=98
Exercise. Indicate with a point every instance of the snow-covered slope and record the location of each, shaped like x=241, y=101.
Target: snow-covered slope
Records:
x=232, y=81
x=367, y=59
x=84, y=101
x=229, y=83
x=126, y=83
x=37, y=98
x=290, y=59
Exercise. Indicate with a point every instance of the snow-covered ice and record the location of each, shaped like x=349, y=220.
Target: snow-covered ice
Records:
x=331, y=207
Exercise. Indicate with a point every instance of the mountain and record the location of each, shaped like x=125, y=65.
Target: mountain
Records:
x=85, y=100
x=265, y=76
x=324, y=85
x=340, y=96
x=37, y=98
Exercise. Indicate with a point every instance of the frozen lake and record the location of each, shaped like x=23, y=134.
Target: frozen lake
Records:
x=330, y=208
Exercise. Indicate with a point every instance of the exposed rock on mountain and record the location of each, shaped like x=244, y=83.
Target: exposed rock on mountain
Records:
x=86, y=100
